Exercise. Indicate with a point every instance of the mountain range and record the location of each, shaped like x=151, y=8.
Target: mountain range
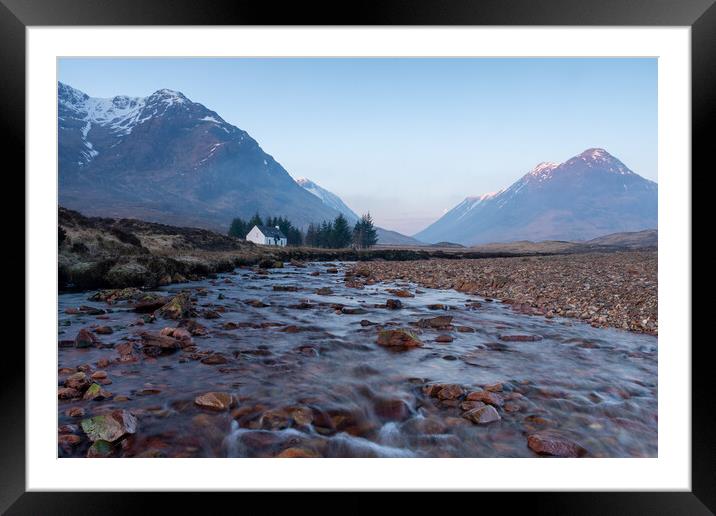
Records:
x=164, y=158
x=589, y=195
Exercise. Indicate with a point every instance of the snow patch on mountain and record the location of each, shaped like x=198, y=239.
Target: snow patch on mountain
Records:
x=328, y=198
x=119, y=115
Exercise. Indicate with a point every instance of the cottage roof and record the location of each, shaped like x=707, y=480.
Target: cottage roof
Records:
x=271, y=232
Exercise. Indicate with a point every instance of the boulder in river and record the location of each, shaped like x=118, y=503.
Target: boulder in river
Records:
x=179, y=307
x=482, y=415
x=520, y=338
x=400, y=338
x=401, y=293
x=256, y=303
x=117, y=294
x=215, y=401
x=110, y=427
x=78, y=381
x=100, y=449
x=391, y=409
x=393, y=304
x=195, y=328
x=352, y=310
x=491, y=398
x=154, y=345
x=181, y=334
x=285, y=288
x=85, y=339
x=450, y=391
x=68, y=393
x=149, y=303
x=441, y=321
x=298, y=453
x=96, y=393
x=554, y=445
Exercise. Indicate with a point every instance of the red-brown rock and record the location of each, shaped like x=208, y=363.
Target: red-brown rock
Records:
x=488, y=397
x=398, y=338
x=547, y=444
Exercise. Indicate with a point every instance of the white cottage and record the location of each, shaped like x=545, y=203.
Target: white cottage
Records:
x=266, y=235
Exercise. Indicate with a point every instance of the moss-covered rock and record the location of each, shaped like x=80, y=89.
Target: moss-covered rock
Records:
x=117, y=294
x=110, y=427
x=96, y=392
x=100, y=449
x=178, y=307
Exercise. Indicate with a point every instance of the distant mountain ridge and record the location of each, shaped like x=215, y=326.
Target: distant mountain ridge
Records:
x=385, y=236
x=589, y=195
x=328, y=198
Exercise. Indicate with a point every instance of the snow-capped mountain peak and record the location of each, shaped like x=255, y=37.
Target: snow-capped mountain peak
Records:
x=101, y=118
x=173, y=156
x=590, y=194
x=601, y=159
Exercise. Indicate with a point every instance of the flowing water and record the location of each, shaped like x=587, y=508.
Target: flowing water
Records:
x=305, y=375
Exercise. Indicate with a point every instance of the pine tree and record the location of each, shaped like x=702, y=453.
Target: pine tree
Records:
x=311, y=238
x=341, y=236
x=325, y=234
x=239, y=228
x=364, y=234
x=369, y=235
x=358, y=234
x=255, y=221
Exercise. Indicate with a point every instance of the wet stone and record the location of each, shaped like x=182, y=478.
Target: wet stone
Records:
x=398, y=338
x=441, y=321
x=100, y=449
x=215, y=401
x=520, y=338
x=298, y=453
x=85, y=339
x=96, y=393
x=450, y=392
x=78, y=381
x=488, y=397
x=353, y=311
x=393, y=304
x=391, y=409
x=214, y=359
x=554, y=445
x=482, y=415
x=110, y=427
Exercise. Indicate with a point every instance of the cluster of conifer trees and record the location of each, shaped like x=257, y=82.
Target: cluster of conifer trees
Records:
x=335, y=234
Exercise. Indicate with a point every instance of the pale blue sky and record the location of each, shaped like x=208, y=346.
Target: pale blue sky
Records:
x=407, y=139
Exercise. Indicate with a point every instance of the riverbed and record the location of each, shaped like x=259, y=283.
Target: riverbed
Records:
x=296, y=350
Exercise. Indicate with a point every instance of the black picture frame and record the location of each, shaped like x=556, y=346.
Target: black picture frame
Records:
x=700, y=15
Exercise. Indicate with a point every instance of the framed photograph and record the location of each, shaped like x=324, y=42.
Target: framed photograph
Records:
x=430, y=247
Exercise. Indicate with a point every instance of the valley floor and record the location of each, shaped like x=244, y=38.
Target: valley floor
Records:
x=604, y=289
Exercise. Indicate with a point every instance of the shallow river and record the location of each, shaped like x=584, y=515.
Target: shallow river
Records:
x=307, y=377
